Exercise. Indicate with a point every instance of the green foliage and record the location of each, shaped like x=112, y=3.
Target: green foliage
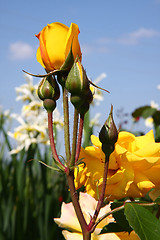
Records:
x=121, y=224
x=31, y=194
x=144, y=112
x=145, y=224
x=88, y=130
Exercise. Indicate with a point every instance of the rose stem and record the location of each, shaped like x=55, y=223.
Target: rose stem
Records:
x=79, y=142
x=101, y=199
x=51, y=137
x=66, y=124
x=74, y=140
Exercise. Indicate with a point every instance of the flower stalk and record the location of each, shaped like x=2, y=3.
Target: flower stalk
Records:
x=101, y=199
x=75, y=201
x=79, y=141
x=52, y=143
x=66, y=124
x=74, y=140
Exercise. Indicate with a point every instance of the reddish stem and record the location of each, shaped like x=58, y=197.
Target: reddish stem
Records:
x=51, y=137
x=101, y=199
x=77, y=207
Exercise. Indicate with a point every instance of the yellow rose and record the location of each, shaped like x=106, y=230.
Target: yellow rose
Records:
x=55, y=41
x=134, y=167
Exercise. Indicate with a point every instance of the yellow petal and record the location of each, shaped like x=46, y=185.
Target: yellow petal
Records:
x=70, y=222
x=43, y=50
x=127, y=236
x=142, y=141
x=113, y=161
x=127, y=141
x=149, y=150
x=72, y=39
x=138, y=162
x=72, y=236
x=95, y=141
x=143, y=183
x=118, y=236
x=39, y=58
x=154, y=174
x=134, y=191
x=55, y=43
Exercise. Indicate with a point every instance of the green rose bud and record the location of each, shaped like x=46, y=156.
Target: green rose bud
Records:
x=82, y=102
x=77, y=101
x=108, y=135
x=77, y=82
x=48, y=88
x=49, y=105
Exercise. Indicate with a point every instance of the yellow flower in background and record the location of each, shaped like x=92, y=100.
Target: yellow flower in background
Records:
x=88, y=205
x=56, y=40
x=134, y=167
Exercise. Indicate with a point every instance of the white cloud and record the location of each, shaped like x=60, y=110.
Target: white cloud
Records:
x=20, y=50
x=132, y=38
x=88, y=49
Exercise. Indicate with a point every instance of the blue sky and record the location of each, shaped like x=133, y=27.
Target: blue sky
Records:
x=120, y=38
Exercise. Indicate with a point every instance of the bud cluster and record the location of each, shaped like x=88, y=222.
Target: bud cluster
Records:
x=48, y=92
x=71, y=76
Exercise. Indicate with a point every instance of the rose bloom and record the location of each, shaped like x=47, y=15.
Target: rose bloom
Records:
x=88, y=205
x=55, y=42
x=134, y=167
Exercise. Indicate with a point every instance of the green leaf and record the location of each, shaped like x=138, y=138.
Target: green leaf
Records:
x=112, y=227
x=157, y=200
x=145, y=112
x=145, y=224
x=120, y=217
x=156, y=117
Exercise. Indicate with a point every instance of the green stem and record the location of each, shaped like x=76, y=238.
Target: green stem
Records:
x=79, y=142
x=51, y=137
x=74, y=140
x=66, y=124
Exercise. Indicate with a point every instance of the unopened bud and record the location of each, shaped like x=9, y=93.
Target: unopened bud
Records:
x=108, y=135
x=89, y=96
x=77, y=101
x=83, y=108
x=49, y=105
x=77, y=82
x=82, y=102
x=48, y=88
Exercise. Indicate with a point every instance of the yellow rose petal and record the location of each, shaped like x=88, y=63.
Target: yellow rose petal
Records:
x=39, y=58
x=72, y=39
x=150, y=150
x=56, y=37
x=143, y=183
x=142, y=141
x=95, y=141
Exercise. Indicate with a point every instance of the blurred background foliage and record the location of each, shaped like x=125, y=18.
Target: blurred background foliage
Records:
x=30, y=193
